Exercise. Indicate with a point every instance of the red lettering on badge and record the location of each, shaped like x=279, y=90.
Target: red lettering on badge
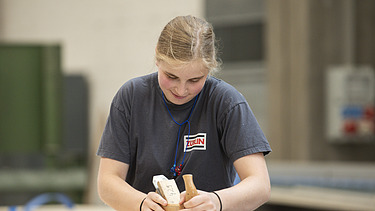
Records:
x=195, y=142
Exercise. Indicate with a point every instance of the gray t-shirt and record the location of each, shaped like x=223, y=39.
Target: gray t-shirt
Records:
x=141, y=132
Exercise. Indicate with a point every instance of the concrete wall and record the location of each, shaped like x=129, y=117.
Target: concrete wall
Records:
x=108, y=42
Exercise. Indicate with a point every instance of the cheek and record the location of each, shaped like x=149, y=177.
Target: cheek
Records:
x=196, y=88
x=164, y=83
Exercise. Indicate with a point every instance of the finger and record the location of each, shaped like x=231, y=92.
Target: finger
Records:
x=157, y=198
x=194, y=202
x=156, y=207
x=149, y=204
x=182, y=197
x=154, y=201
x=200, y=202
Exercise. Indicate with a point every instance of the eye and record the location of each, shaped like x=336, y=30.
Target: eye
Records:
x=194, y=80
x=171, y=77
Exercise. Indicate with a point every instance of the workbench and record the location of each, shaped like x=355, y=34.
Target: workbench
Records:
x=63, y=208
x=314, y=185
x=323, y=185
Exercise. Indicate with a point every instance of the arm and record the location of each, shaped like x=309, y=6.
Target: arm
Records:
x=114, y=191
x=253, y=190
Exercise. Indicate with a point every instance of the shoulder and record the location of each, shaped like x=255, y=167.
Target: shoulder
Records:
x=221, y=91
x=135, y=88
x=139, y=82
x=222, y=98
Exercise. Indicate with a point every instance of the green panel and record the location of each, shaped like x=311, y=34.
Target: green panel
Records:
x=30, y=99
x=52, y=104
x=20, y=99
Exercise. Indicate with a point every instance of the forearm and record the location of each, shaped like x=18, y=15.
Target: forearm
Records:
x=118, y=194
x=254, y=188
x=249, y=194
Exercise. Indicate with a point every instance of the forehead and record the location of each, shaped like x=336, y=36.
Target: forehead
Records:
x=188, y=70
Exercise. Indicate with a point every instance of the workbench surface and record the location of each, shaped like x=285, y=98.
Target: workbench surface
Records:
x=63, y=208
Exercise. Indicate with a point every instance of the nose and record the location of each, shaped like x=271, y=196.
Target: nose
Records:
x=181, y=89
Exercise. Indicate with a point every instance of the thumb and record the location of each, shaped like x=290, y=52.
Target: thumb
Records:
x=182, y=197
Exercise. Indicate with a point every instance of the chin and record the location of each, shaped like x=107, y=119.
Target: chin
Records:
x=177, y=101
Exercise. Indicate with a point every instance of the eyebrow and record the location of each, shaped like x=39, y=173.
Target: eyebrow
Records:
x=195, y=78
x=170, y=74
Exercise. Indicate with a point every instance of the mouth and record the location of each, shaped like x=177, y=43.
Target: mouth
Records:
x=178, y=96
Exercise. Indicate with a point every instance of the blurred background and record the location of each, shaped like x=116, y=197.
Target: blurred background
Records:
x=306, y=68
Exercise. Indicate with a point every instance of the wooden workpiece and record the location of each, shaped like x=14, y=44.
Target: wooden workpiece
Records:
x=190, y=188
x=169, y=191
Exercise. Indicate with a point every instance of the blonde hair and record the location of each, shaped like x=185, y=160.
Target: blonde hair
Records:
x=186, y=39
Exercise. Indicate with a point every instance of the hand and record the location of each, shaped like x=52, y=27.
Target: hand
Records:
x=153, y=202
x=203, y=201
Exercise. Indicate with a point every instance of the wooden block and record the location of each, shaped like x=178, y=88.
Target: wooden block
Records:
x=169, y=191
x=173, y=207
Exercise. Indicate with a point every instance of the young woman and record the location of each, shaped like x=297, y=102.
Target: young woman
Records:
x=182, y=120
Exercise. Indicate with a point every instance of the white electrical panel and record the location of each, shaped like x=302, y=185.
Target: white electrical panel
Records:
x=350, y=104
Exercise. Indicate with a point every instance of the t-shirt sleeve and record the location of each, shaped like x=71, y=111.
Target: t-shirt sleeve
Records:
x=114, y=143
x=242, y=134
